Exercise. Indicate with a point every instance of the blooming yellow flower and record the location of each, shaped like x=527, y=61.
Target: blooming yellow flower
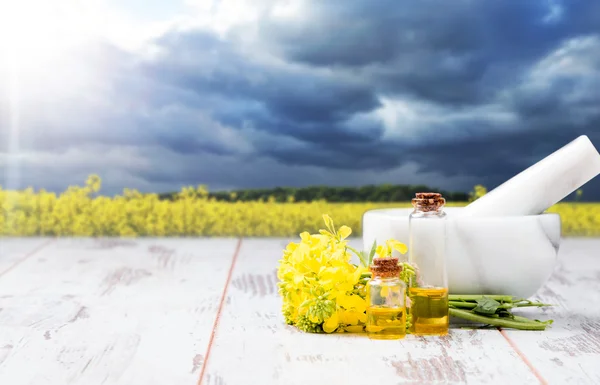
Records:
x=319, y=286
x=385, y=251
x=80, y=211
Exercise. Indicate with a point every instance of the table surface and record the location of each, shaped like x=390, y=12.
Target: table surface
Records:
x=206, y=311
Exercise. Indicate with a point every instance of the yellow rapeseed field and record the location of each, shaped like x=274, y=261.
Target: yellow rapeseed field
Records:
x=80, y=211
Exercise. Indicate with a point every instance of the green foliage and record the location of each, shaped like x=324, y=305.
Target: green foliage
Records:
x=369, y=193
x=486, y=306
x=495, y=310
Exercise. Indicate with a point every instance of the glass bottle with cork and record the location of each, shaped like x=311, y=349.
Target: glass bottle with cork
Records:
x=428, y=289
x=386, y=300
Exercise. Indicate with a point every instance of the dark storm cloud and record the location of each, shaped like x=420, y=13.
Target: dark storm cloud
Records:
x=471, y=90
x=301, y=104
x=450, y=52
x=495, y=159
x=555, y=101
x=343, y=56
x=563, y=91
x=317, y=111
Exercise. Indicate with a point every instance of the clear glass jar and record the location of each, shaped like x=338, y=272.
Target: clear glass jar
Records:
x=386, y=301
x=428, y=290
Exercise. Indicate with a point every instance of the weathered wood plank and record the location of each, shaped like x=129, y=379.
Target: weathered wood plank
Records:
x=14, y=251
x=253, y=345
x=86, y=311
x=120, y=312
x=569, y=351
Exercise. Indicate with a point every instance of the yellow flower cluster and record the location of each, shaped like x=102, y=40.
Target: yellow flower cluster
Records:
x=322, y=291
x=80, y=211
x=578, y=219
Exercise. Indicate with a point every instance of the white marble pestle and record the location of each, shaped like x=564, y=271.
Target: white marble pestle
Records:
x=542, y=185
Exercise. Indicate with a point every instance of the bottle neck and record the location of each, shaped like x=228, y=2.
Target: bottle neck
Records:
x=387, y=277
x=428, y=211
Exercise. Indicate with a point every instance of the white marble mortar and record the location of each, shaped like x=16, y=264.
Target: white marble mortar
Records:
x=512, y=255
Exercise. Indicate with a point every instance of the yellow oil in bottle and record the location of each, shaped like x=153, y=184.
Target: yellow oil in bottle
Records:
x=385, y=323
x=429, y=310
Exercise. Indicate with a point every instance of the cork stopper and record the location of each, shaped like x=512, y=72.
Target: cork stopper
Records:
x=428, y=201
x=385, y=267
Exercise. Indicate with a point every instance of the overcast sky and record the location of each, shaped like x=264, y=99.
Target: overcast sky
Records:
x=155, y=95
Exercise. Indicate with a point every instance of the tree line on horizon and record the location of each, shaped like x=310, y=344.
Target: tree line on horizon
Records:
x=368, y=193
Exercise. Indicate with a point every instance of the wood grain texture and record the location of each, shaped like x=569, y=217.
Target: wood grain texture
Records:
x=110, y=311
x=14, y=251
x=253, y=345
x=569, y=351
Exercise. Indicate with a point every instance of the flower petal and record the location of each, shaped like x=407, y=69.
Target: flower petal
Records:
x=355, y=329
x=305, y=236
x=331, y=323
x=328, y=222
x=380, y=251
x=396, y=245
x=326, y=233
x=344, y=232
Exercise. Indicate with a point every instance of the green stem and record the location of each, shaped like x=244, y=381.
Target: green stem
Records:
x=525, y=303
x=507, y=306
x=517, y=318
x=498, y=322
x=523, y=319
x=462, y=305
x=359, y=255
x=408, y=267
x=531, y=304
x=475, y=297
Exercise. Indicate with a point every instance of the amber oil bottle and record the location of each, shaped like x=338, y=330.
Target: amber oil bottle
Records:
x=386, y=300
x=428, y=290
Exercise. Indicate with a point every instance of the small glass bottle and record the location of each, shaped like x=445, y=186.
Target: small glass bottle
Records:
x=428, y=290
x=386, y=301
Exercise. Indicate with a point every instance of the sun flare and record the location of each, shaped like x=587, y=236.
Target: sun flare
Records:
x=34, y=33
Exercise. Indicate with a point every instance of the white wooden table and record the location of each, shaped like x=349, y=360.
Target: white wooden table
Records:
x=206, y=311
